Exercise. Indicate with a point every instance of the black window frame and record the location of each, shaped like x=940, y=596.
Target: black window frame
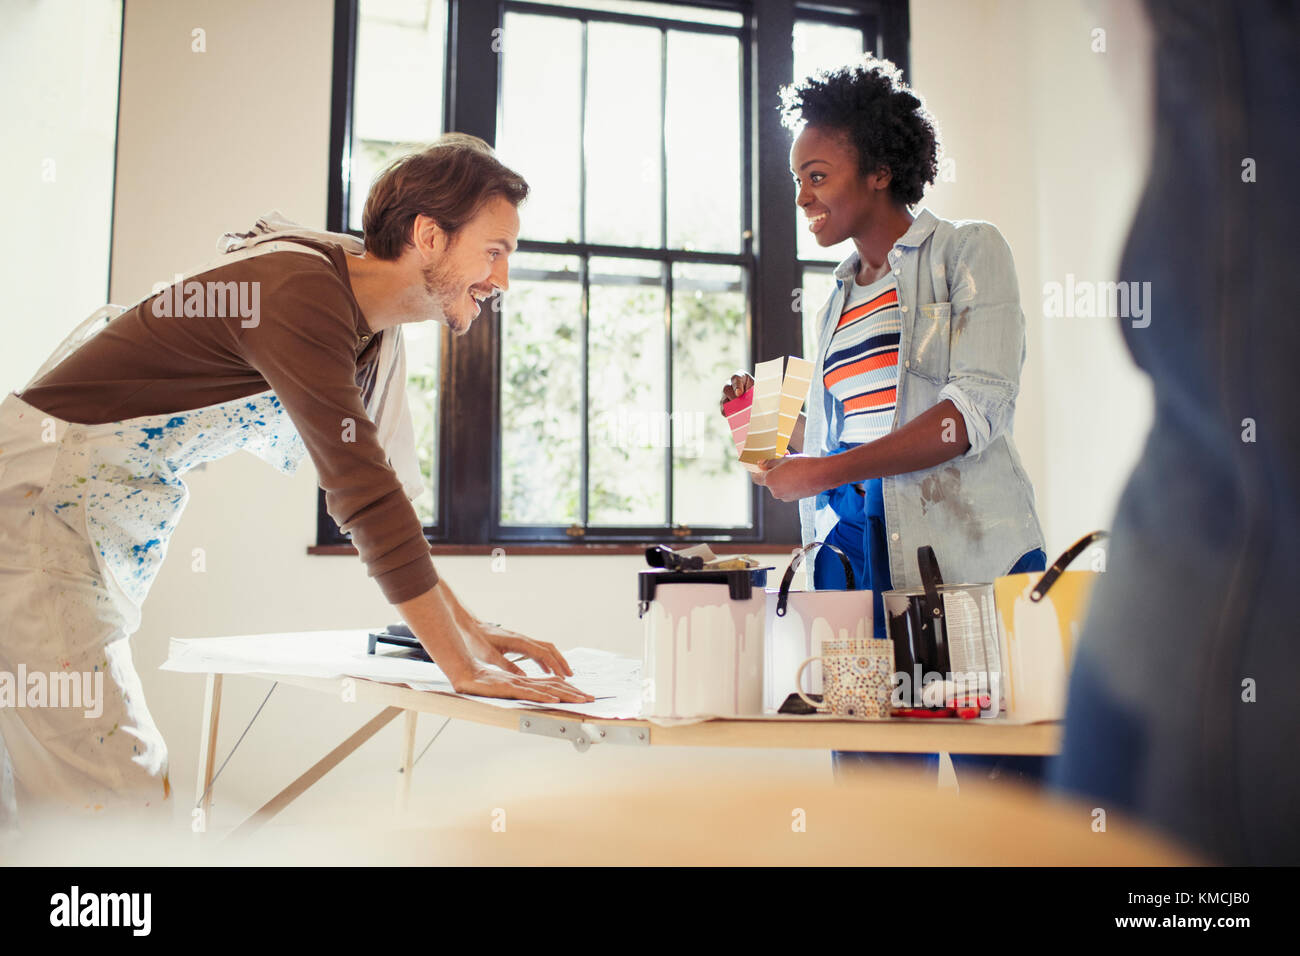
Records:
x=469, y=391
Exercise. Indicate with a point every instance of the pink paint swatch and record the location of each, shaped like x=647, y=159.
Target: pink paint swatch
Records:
x=737, y=412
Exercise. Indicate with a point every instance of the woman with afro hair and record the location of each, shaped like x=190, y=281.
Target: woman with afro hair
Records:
x=907, y=440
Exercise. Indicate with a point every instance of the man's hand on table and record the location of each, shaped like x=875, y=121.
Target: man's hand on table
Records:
x=484, y=681
x=491, y=642
x=489, y=674
x=453, y=637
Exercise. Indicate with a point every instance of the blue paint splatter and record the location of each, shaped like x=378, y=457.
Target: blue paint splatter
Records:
x=140, y=550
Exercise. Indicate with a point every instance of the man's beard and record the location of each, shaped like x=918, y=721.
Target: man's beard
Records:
x=443, y=290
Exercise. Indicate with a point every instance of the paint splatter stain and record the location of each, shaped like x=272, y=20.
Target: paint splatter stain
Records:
x=944, y=487
x=963, y=317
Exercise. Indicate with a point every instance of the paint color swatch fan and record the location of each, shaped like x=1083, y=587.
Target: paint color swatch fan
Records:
x=763, y=419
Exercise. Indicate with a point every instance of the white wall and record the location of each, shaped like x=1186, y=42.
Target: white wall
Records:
x=1092, y=146
x=210, y=141
x=1050, y=146
x=58, y=70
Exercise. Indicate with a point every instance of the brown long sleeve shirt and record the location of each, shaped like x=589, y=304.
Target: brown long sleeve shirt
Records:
x=308, y=343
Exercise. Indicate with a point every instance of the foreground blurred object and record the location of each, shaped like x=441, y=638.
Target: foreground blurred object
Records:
x=517, y=816
x=1182, y=705
x=691, y=821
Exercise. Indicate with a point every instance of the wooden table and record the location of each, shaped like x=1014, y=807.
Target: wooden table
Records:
x=914, y=735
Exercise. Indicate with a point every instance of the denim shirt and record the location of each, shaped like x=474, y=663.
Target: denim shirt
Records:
x=963, y=339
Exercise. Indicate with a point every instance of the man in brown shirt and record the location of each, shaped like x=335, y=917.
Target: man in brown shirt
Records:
x=439, y=228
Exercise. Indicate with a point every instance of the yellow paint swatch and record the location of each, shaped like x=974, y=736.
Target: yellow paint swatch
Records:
x=760, y=441
x=778, y=400
x=794, y=388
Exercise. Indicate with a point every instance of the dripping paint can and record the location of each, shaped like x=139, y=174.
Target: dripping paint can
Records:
x=798, y=622
x=703, y=643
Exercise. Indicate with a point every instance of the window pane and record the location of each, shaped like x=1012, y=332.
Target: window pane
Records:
x=628, y=412
x=423, y=373
x=818, y=284
x=540, y=135
x=541, y=392
x=822, y=46
x=819, y=46
x=397, y=88
x=710, y=343
x=623, y=135
x=668, y=11
x=704, y=174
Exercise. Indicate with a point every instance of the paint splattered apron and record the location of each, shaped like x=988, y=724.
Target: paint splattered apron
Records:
x=84, y=524
x=86, y=513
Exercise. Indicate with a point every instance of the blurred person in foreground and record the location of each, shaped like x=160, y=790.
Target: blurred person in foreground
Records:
x=1183, y=705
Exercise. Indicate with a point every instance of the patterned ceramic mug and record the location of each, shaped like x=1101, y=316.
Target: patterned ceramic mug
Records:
x=857, y=678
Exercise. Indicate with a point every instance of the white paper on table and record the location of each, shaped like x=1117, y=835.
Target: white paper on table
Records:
x=615, y=681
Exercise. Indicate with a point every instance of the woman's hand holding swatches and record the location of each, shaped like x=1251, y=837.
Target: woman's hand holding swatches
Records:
x=794, y=476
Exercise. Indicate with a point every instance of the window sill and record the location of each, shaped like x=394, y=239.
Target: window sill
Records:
x=572, y=550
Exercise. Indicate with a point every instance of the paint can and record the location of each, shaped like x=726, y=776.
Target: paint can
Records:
x=943, y=633
x=798, y=622
x=703, y=643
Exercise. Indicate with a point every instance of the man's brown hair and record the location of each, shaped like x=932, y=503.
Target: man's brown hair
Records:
x=448, y=181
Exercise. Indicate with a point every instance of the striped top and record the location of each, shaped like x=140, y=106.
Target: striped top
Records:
x=862, y=361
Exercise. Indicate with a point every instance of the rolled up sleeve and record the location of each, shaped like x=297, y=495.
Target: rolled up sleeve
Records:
x=987, y=342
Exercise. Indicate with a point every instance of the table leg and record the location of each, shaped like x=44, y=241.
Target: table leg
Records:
x=408, y=761
x=207, y=750
x=315, y=772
